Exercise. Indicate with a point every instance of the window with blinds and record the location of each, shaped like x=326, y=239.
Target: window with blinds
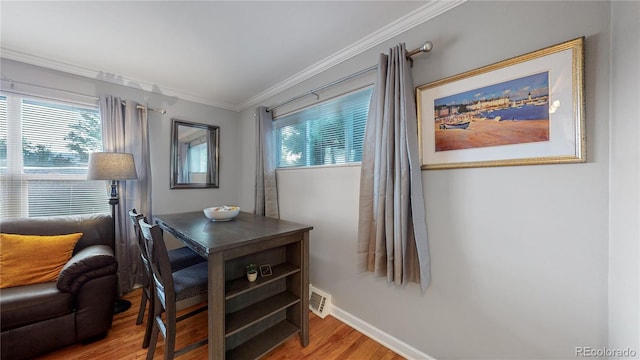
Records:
x=329, y=133
x=44, y=151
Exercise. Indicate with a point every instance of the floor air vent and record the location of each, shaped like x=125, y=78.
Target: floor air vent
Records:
x=319, y=302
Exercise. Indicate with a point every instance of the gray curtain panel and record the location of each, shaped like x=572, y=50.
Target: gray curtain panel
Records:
x=392, y=230
x=266, y=196
x=125, y=130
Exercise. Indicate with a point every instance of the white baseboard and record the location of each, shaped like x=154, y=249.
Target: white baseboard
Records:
x=401, y=348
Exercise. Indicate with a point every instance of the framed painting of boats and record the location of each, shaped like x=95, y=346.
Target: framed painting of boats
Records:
x=522, y=111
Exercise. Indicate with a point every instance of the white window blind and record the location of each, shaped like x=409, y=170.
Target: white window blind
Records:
x=329, y=133
x=44, y=147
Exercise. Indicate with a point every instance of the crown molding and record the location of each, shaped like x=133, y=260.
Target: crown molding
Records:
x=110, y=78
x=429, y=11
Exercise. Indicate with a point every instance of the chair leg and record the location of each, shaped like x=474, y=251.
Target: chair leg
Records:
x=143, y=305
x=149, y=326
x=154, y=341
x=170, y=339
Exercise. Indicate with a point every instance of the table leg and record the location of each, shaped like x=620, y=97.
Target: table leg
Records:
x=216, y=318
x=304, y=331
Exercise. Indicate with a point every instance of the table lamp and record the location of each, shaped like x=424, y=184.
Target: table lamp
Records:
x=113, y=166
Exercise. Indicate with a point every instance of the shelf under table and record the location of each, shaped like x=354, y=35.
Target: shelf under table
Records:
x=262, y=344
x=241, y=319
x=241, y=285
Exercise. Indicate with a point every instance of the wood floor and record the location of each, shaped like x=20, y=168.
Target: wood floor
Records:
x=329, y=339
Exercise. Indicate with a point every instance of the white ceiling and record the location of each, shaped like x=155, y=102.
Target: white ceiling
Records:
x=230, y=54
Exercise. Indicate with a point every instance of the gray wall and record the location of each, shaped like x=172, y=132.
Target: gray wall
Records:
x=519, y=254
x=624, y=181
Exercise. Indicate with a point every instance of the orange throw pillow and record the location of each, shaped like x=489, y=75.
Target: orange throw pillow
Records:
x=32, y=259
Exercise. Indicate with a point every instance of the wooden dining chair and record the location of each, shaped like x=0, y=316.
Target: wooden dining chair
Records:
x=171, y=290
x=179, y=258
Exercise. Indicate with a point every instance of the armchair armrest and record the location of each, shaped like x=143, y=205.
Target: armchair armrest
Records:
x=89, y=263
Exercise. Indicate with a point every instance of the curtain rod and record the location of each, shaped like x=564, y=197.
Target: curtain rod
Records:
x=13, y=82
x=426, y=47
x=143, y=107
x=161, y=111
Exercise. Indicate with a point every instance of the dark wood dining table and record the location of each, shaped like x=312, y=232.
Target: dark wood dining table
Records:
x=248, y=319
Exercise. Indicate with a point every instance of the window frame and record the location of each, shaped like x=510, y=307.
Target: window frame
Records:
x=15, y=176
x=281, y=121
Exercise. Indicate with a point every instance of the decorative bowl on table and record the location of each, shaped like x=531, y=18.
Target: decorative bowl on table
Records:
x=221, y=213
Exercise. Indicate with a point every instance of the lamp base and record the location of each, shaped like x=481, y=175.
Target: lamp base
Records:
x=121, y=306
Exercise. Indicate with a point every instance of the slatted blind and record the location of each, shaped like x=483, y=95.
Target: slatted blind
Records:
x=44, y=148
x=329, y=133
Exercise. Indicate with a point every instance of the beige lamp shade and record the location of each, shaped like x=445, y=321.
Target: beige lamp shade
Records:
x=111, y=166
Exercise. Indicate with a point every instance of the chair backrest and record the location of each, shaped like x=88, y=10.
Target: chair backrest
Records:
x=159, y=260
x=135, y=219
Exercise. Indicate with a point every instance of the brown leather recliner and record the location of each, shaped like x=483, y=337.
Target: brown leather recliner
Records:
x=78, y=307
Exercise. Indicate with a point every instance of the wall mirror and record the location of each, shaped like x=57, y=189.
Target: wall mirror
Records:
x=194, y=155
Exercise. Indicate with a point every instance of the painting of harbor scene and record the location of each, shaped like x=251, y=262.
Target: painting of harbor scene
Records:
x=525, y=110
x=511, y=112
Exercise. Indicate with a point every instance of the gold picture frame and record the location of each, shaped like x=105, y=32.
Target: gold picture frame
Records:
x=525, y=110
